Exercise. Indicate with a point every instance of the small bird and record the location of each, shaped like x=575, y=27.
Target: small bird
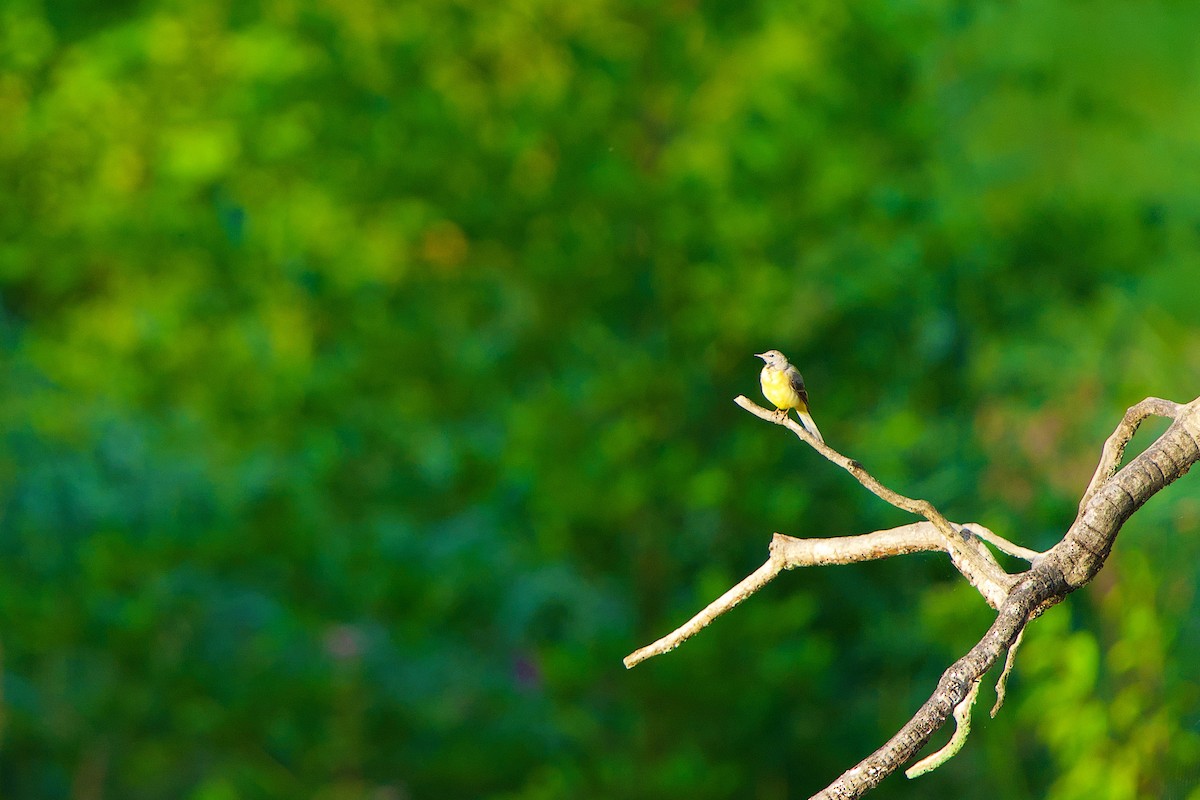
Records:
x=783, y=385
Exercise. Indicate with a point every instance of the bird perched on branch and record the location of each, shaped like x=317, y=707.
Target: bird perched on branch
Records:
x=783, y=385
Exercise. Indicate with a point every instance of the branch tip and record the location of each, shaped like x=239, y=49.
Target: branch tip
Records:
x=1002, y=681
x=962, y=728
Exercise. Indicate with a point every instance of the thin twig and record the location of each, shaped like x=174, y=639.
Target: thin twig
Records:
x=1002, y=544
x=1002, y=681
x=922, y=508
x=748, y=586
x=962, y=728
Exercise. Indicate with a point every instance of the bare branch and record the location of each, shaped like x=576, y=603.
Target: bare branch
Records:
x=977, y=561
x=1002, y=544
x=1111, y=498
x=962, y=727
x=922, y=508
x=748, y=586
x=788, y=552
x=1064, y=568
x=1002, y=681
x=1114, y=446
x=980, y=568
x=1034, y=589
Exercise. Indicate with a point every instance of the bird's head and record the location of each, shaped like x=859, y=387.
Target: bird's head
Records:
x=774, y=358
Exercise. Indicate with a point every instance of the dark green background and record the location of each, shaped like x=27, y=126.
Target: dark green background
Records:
x=367, y=381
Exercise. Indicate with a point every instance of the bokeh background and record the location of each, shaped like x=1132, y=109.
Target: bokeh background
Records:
x=367, y=381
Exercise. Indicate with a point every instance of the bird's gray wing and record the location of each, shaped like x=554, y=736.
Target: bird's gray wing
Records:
x=798, y=384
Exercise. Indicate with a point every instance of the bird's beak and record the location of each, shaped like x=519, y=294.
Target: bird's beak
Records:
x=763, y=356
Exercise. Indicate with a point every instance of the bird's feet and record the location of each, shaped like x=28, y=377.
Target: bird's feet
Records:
x=781, y=414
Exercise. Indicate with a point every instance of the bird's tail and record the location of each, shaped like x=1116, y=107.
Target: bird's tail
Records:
x=807, y=419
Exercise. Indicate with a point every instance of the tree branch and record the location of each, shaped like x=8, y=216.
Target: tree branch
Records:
x=921, y=508
x=1113, y=495
x=956, y=543
x=748, y=586
x=787, y=552
x=1114, y=446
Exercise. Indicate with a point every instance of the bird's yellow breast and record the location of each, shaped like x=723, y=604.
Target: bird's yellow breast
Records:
x=777, y=387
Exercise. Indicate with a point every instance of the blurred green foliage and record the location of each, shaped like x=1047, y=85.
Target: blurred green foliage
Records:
x=367, y=377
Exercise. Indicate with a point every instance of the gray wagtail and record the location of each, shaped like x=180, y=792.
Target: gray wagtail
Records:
x=783, y=385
